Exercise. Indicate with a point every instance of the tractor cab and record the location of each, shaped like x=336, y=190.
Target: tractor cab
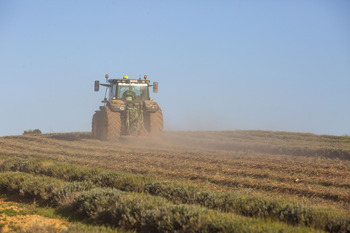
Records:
x=129, y=90
x=119, y=88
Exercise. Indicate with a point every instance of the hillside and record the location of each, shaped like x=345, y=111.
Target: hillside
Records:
x=295, y=169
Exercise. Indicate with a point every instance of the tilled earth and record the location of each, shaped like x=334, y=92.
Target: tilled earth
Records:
x=304, y=168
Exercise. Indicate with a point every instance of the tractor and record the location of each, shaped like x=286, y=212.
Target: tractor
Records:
x=128, y=110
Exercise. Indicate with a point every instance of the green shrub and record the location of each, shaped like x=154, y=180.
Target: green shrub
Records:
x=32, y=132
x=145, y=213
x=42, y=188
x=85, y=228
x=66, y=195
x=174, y=192
x=49, y=168
x=131, y=183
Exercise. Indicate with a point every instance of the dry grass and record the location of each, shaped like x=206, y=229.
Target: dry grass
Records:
x=15, y=218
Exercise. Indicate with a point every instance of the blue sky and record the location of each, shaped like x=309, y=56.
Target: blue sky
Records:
x=221, y=65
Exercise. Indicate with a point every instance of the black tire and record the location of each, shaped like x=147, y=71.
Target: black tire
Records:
x=156, y=123
x=96, y=125
x=111, y=124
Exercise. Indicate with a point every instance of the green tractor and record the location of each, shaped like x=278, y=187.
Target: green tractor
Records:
x=128, y=111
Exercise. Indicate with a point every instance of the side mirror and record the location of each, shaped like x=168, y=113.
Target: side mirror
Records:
x=97, y=85
x=155, y=87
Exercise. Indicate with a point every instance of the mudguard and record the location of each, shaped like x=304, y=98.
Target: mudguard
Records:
x=151, y=106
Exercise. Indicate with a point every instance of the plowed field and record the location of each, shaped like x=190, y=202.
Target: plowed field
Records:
x=305, y=169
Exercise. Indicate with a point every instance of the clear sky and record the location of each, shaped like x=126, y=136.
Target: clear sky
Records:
x=221, y=65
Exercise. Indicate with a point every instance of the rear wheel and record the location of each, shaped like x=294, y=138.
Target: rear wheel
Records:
x=156, y=122
x=111, y=124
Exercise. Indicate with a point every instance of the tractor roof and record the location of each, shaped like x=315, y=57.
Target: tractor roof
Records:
x=128, y=81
